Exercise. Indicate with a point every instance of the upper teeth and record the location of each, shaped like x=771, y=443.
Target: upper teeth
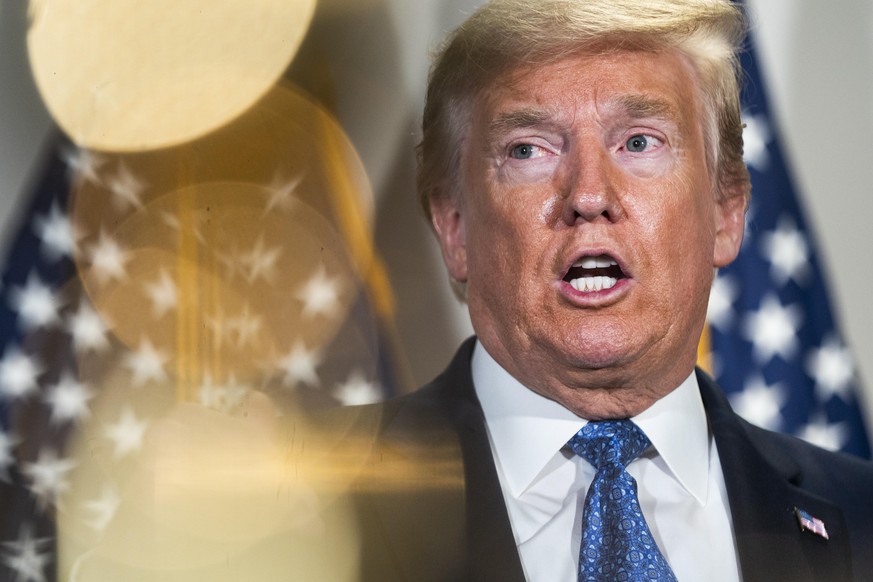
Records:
x=595, y=263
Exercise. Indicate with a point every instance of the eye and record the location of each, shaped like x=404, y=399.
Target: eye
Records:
x=637, y=143
x=523, y=151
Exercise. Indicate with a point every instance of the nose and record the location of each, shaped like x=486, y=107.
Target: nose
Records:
x=591, y=194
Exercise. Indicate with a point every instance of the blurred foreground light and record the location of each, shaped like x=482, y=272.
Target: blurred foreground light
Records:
x=126, y=75
x=238, y=257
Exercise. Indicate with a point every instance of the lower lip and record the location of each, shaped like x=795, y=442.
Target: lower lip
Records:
x=590, y=298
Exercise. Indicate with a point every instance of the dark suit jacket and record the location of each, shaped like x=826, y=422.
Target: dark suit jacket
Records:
x=438, y=513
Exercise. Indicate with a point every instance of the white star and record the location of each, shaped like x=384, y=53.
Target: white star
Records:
x=832, y=368
x=299, y=366
x=163, y=294
x=220, y=326
x=88, y=330
x=773, y=329
x=84, y=164
x=246, y=326
x=35, y=303
x=261, y=262
x=58, y=235
x=7, y=458
x=820, y=432
x=27, y=556
x=108, y=260
x=760, y=403
x=320, y=294
x=18, y=374
x=68, y=400
x=282, y=192
x=224, y=398
x=103, y=508
x=756, y=136
x=127, y=433
x=357, y=390
x=720, y=313
x=788, y=252
x=232, y=262
x=48, y=477
x=126, y=189
x=147, y=363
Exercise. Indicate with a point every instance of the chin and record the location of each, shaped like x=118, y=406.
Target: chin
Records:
x=606, y=403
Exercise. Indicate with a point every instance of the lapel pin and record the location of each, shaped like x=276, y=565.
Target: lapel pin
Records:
x=810, y=523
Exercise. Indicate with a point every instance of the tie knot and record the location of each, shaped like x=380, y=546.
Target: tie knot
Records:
x=609, y=443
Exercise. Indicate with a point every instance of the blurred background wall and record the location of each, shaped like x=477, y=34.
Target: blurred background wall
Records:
x=817, y=58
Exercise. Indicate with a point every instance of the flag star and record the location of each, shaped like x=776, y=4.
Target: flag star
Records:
x=48, y=477
x=299, y=366
x=787, y=251
x=57, y=234
x=832, y=368
x=320, y=294
x=108, y=260
x=282, y=193
x=126, y=189
x=261, y=262
x=163, y=294
x=126, y=434
x=35, y=303
x=219, y=325
x=28, y=556
x=18, y=373
x=773, y=329
x=760, y=403
x=820, y=432
x=7, y=458
x=171, y=220
x=88, y=330
x=102, y=509
x=357, y=390
x=246, y=326
x=225, y=398
x=756, y=137
x=68, y=400
x=84, y=164
x=147, y=363
x=720, y=312
x=232, y=263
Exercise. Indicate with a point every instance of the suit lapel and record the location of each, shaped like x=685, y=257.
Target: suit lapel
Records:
x=468, y=536
x=493, y=554
x=764, y=488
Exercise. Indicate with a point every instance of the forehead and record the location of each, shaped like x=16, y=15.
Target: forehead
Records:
x=630, y=83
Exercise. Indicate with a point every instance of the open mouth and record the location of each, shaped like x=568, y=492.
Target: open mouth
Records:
x=598, y=273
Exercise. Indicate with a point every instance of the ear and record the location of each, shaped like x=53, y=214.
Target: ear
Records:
x=730, y=225
x=448, y=222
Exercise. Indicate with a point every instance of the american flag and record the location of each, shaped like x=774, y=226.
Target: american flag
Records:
x=811, y=524
x=776, y=346
x=198, y=274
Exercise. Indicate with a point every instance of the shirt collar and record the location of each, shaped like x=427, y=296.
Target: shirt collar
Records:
x=528, y=430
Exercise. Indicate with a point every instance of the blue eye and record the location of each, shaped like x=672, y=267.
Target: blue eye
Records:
x=637, y=143
x=523, y=151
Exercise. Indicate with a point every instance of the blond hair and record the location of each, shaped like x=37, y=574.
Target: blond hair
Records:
x=506, y=34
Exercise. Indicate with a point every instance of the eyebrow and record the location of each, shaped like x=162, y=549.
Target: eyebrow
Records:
x=641, y=107
x=518, y=120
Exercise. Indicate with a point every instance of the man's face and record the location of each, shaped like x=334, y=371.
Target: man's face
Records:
x=587, y=229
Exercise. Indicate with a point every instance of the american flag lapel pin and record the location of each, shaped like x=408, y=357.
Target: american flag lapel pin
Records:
x=810, y=523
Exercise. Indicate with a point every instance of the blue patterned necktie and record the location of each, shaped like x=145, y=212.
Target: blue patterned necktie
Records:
x=616, y=541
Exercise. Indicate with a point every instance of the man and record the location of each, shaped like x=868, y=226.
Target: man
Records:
x=581, y=162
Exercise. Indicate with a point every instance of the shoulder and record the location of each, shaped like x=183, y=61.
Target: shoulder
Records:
x=828, y=472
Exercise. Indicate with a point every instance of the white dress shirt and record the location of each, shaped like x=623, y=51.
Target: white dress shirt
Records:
x=681, y=486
